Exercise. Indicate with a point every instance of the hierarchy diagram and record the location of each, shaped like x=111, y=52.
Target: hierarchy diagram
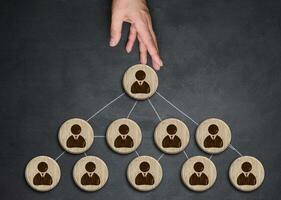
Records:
x=144, y=172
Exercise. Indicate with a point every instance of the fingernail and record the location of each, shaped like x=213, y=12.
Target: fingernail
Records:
x=112, y=43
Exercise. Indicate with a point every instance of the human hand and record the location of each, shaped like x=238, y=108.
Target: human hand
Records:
x=137, y=14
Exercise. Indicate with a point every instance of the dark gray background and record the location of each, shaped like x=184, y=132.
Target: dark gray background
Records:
x=222, y=59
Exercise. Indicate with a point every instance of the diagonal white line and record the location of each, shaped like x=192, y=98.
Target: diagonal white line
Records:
x=105, y=107
x=137, y=153
x=132, y=109
x=60, y=155
x=185, y=154
x=177, y=109
x=234, y=149
x=154, y=110
x=160, y=157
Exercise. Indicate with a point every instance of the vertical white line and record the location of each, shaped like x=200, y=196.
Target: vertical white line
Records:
x=185, y=154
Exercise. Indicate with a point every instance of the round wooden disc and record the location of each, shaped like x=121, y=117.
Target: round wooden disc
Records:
x=90, y=173
x=140, y=82
x=198, y=173
x=123, y=136
x=144, y=173
x=213, y=136
x=246, y=173
x=171, y=136
x=42, y=173
x=76, y=136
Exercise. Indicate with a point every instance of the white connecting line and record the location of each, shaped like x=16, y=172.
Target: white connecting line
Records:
x=177, y=108
x=154, y=110
x=60, y=155
x=132, y=109
x=137, y=153
x=211, y=156
x=85, y=154
x=234, y=149
x=160, y=156
x=185, y=154
x=105, y=106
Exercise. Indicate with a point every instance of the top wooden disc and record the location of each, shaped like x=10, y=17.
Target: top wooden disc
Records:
x=76, y=135
x=140, y=82
x=213, y=136
x=246, y=173
x=42, y=173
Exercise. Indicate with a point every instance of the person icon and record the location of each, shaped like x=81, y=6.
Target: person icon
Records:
x=43, y=177
x=246, y=177
x=213, y=140
x=124, y=140
x=75, y=140
x=140, y=86
x=144, y=178
x=90, y=177
x=171, y=140
x=199, y=177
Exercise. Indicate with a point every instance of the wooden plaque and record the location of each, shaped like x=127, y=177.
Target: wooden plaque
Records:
x=171, y=136
x=198, y=173
x=90, y=173
x=42, y=173
x=140, y=82
x=144, y=173
x=246, y=173
x=76, y=136
x=213, y=136
x=123, y=136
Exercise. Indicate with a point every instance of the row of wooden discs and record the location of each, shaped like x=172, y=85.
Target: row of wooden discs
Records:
x=144, y=173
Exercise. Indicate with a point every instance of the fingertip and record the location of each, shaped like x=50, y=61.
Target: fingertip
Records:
x=112, y=43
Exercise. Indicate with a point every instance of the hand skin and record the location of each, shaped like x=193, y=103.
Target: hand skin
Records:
x=137, y=14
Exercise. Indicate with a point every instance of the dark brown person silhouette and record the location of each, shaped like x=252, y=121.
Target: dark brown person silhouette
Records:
x=140, y=86
x=123, y=140
x=75, y=140
x=90, y=178
x=144, y=178
x=199, y=177
x=43, y=177
x=171, y=140
x=213, y=140
x=246, y=177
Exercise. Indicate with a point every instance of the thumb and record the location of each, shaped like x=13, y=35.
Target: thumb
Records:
x=115, y=30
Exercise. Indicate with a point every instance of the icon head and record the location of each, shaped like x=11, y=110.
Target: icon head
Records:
x=198, y=167
x=123, y=129
x=171, y=129
x=213, y=129
x=75, y=129
x=90, y=167
x=144, y=166
x=140, y=75
x=42, y=167
x=246, y=167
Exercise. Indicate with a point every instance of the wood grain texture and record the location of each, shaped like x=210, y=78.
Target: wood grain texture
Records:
x=129, y=79
x=209, y=171
x=100, y=171
x=66, y=133
x=181, y=133
x=202, y=134
x=257, y=171
x=134, y=170
x=113, y=135
x=53, y=171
